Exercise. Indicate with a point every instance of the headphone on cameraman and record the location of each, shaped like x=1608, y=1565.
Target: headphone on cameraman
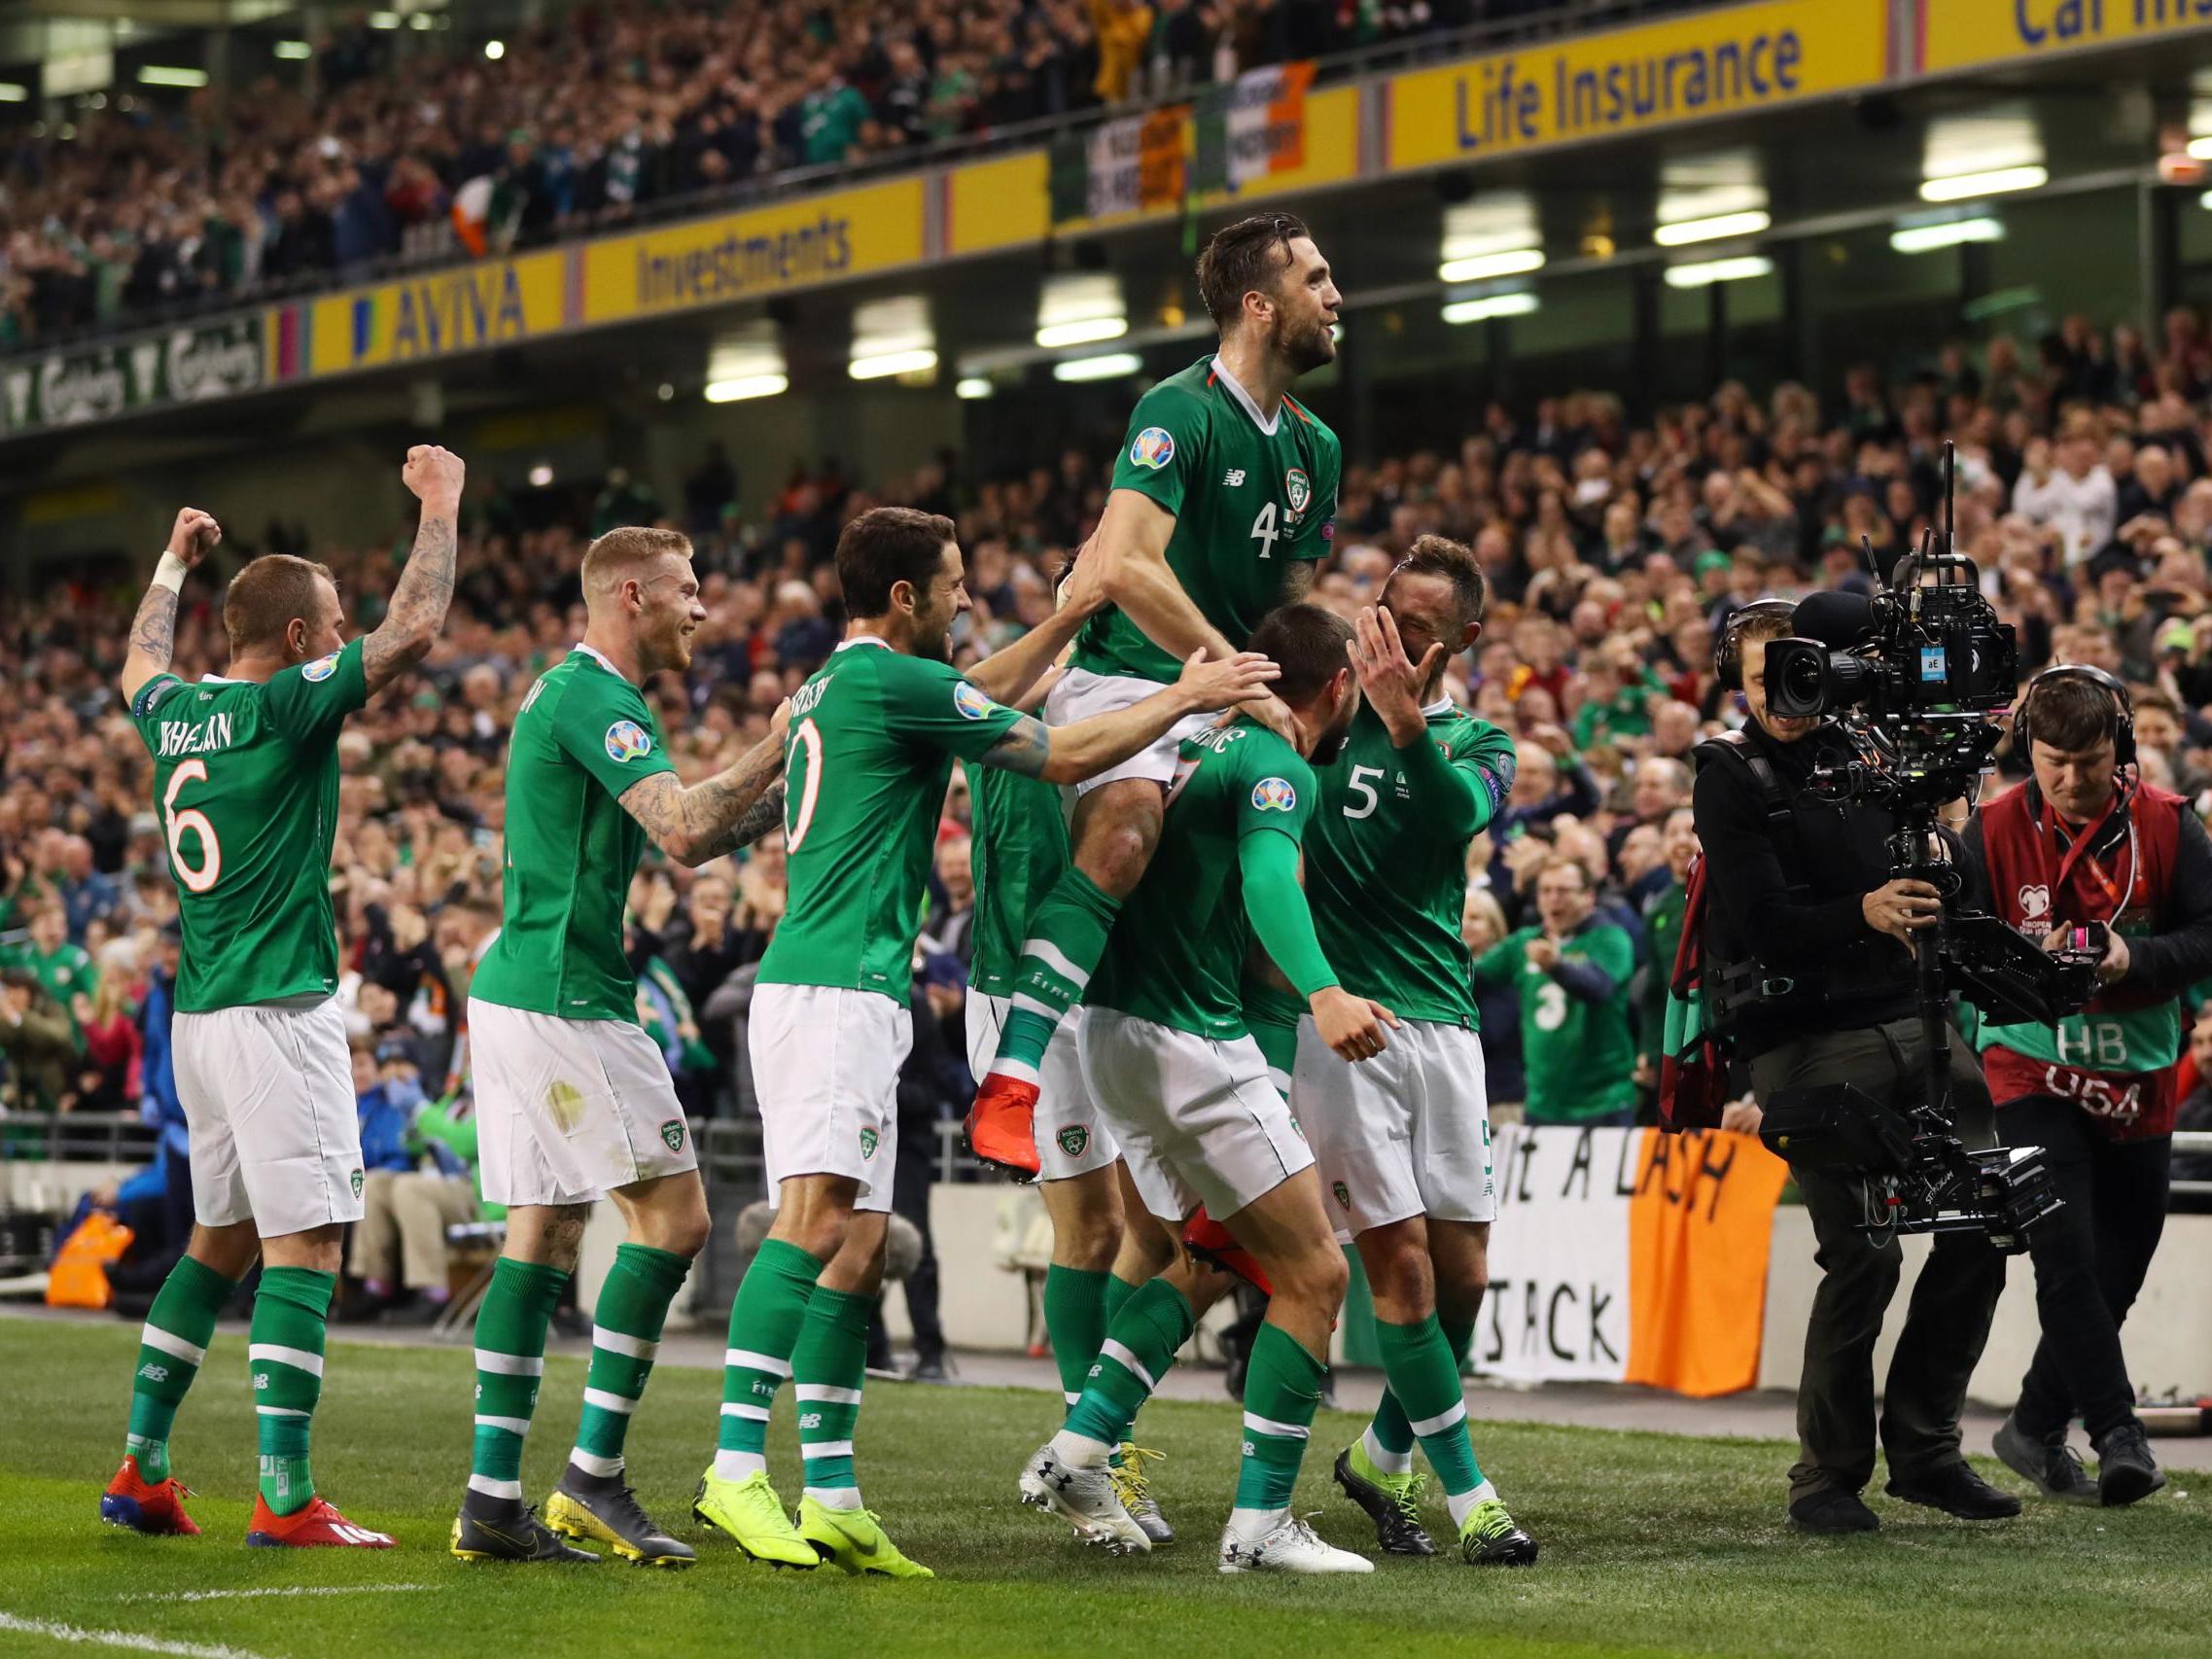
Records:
x=1728, y=649
x=2123, y=720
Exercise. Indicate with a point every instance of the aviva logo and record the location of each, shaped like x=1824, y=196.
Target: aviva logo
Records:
x=432, y=316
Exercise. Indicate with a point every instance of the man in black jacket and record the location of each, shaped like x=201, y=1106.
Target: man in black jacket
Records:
x=1800, y=887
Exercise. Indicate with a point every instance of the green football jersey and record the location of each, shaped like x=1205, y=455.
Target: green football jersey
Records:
x=1580, y=1055
x=874, y=738
x=1248, y=500
x=583, y=736
x=1272, y=1015
x=1176, y=954
x=1020, y=850
x=246, y=782
x=1386, y=882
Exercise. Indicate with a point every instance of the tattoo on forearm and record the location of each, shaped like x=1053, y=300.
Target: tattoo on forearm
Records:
x=762, y=817
x=1025, y=749
x=153, y=630
x=418, y=606
x=728, y=811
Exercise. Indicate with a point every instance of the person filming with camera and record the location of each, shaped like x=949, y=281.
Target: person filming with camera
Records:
x=2086, y=850
x=1813, y=937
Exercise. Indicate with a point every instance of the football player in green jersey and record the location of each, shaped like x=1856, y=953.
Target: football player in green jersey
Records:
x=246, y=780
x=1169, y=1054
x=871, y=750
x=574, y=1101
x=1572, y=974
x=1403, y=1141
x=1223, y=496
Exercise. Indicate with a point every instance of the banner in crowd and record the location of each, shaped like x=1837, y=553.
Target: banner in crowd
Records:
x=1577, y=87
x=437, y=314
x=218, y=359
x=1253, y=129
x=1962, y=34
x=1127, y=165
x=1630, y=1255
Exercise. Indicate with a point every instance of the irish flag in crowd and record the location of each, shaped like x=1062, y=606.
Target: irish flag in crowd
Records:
x=1253, y=126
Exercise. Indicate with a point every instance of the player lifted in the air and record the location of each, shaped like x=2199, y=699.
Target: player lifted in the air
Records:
x=573, y=1100
x=1168, y=1055
x=1402, y=1142
x=246, y=781
x=872, y=741
x=1224, y=493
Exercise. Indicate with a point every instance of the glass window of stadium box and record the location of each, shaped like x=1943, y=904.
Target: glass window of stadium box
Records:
x=1859, y=298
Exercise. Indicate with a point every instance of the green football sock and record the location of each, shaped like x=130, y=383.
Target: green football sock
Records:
x=170, y=1352
x=828, y=1368
x=764, y=1324
x=1416, y=1359
x=1076, y=1320
x=1067, y=936
x=1389, y=1440
x=1283, y=1389
x=632, y=1306
x=511, y=1363
x=285, y=1354
x=1138, y=1348
x=1118, y=1290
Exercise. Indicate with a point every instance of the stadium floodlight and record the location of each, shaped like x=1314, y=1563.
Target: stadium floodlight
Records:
x=2201, y=148
x=422, y=20
x=1948, y=233
x=1705, y=272
x=169, y=75
x=384, y=20
x=1479, y=267
x=495, y=50
x=1712, y=228
x=882, y=365
x=1110, y=367
x=293, y=51
x=744, y=386
x=971, y=387
x=541, y=475
x=13, y=92
x=1082, y=331
x=1963, y=186
x=1481, y=311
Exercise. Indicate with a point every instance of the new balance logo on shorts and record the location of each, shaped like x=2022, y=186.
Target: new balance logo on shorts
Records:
x=1073, y=1139
x=673, y=1133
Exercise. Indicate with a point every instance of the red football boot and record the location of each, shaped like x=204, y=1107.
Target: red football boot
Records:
x=1002, y=1125
x=1209, y=1240
x=157, y=1508
x=316, y=1526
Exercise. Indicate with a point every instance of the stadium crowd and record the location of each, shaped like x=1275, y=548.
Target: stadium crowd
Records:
x=618, y=105
x=1612, y=549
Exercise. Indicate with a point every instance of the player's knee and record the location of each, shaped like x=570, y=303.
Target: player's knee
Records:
x=1403, y=1284
x=1317, y=1277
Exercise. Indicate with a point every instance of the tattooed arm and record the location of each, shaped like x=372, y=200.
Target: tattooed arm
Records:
x=730, y=810
x=1298, y=580
x=153, y=630
x=1070, y=754
x=417, y=610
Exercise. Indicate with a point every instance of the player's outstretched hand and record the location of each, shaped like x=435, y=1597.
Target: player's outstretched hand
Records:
x=435, y=475
x=1240, y=678
x=194, y=535
x=1392, y=680
x=780, y=723
x=1351, y=1026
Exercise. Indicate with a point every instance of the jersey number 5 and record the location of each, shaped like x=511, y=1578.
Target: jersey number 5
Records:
x=1360, y=786
x=798, y=808
x=203, y=878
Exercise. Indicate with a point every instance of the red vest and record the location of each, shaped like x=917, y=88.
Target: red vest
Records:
x=2115, y=1059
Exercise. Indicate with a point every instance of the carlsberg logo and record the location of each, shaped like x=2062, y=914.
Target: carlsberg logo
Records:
x=86, y=389
x=210, y=366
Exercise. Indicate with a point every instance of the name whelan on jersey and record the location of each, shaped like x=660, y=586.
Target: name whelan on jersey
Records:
x=194, y=736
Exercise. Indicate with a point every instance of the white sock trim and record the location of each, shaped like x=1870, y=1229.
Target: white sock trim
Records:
x=767, y=1365
x=1080, y=1451
x=1027, y=1003
x=828, y=1396
x=1120, y=1355
x=276, y=1354
x=606, y=1401
x=1259, y=1425
x=510, y=1364
x=834, y=1496
x=591, y=1462
x=169, y=1342
x=740, y=1465
x=1070, y=1396
x=1252, y=1525
x=1056, y=958
x=1021, y=1070
x=614, y=1342
x=517, y=1426
x=1381, y=1457
x=1462, y=1503
x=279, y=1411
x=809, y=1450
x=757, y=1413
x=1442, y=1421
x=491, y=1488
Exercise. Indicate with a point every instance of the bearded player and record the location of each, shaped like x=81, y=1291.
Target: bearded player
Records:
x=872, y=742
x=1169, y=1055
x=1224, y=494
x=1403, y=1141
x=574, y=1101
x=246, y=779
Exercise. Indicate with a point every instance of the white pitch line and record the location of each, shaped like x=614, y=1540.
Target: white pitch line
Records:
x=125, y=1638
x=287, y=1590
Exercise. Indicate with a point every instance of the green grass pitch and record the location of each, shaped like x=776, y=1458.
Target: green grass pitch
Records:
x=1652, y=1543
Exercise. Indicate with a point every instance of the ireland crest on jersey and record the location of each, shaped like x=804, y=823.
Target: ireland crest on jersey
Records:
x=868, y=1145
x=672, y=1132
x=1073, y=1139
x=1298, y=493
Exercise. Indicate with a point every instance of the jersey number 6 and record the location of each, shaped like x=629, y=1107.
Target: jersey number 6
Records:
x=198, y=880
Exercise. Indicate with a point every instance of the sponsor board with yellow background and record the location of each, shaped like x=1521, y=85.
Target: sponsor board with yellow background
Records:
x=1966, y=34
x=1572, y=90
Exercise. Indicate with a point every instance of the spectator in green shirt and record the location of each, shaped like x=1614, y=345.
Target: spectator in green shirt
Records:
x=830, y=114
x=63, y=970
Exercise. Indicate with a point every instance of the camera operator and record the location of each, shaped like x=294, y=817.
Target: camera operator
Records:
x=1802, y=904
x=2085, y=842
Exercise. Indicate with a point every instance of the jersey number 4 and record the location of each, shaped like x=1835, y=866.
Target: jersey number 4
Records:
x=1264, y=530
x=202, y=876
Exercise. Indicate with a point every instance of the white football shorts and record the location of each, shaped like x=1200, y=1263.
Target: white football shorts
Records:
x=826, y=1067
x=570, y=1109
x=267, y=1093
x=1072, y=1138
x=1078, y=694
